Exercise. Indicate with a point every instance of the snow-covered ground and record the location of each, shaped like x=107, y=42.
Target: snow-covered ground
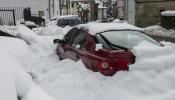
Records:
x=150, y=78
x=14, y=81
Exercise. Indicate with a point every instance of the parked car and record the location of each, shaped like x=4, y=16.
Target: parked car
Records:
x=69, y=21
x=103, y=47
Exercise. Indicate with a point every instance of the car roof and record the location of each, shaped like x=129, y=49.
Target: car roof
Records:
x=95, y=28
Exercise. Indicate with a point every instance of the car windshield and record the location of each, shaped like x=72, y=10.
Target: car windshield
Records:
x=125, y=39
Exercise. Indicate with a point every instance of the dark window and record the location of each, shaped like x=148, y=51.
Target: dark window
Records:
x=101, y=40
x=69, y=37
x=80, y=39
x=69, y=22
x=72, y=5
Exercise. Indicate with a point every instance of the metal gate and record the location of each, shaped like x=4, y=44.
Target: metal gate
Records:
x=9, y=15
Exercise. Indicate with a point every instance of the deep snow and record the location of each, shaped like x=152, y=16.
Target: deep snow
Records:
x=157, y=30
x=150, y=78
x=14, y=81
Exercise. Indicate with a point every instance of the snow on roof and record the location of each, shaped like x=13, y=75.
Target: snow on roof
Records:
x=168, y=13
x=65, y=16
x=100, y=27
x=102, y=7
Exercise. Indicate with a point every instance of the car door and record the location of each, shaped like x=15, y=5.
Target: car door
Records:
x=79, y=44
x=66, y=47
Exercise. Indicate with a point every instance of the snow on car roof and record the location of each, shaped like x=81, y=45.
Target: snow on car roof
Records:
x=100, y=27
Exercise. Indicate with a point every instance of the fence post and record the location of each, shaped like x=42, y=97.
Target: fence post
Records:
x=14, y=19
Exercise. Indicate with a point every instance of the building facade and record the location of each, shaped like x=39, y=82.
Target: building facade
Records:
x=46, y=8
x=86, y=9
x=148, y=12
x=142, y=12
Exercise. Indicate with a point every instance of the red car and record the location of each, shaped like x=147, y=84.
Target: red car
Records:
x=103, y=47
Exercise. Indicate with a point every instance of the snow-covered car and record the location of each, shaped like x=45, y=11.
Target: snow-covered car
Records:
x=69, y=21
x=103, y=47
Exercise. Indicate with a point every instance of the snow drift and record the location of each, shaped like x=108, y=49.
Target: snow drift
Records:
x=150, y=78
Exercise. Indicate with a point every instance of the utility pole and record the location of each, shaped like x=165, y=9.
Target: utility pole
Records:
x=49, y=8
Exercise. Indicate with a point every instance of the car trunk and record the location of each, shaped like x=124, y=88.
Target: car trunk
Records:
x=118, y=59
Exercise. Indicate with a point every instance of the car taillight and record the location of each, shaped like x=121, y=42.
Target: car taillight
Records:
x=105, y=65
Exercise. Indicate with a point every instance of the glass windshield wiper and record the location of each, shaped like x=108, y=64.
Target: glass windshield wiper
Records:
x=113, y=45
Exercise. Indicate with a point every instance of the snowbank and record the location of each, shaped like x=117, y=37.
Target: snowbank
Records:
x=36, y=93
x=52, y=30
x=21, y=32
x=159, y=31
x=153, y=57
x=14, y=81
x=15, y=47
x=150, y=78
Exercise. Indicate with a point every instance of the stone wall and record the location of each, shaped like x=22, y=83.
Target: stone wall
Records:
x=148, y=11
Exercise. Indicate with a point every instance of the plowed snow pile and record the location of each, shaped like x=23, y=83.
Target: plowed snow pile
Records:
x=159, y=31
x=150, y=78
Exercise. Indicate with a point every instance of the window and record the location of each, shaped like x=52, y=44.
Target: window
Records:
x=69, y=37
x=102, y=41
x=123, y=39
x=80, y=39
x=72, y=5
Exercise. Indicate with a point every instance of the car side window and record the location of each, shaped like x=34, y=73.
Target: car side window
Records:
x=100, y=40
x=80, y=39
x=69, y=37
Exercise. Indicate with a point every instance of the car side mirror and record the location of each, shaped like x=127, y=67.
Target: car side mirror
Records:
x=57, y=41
